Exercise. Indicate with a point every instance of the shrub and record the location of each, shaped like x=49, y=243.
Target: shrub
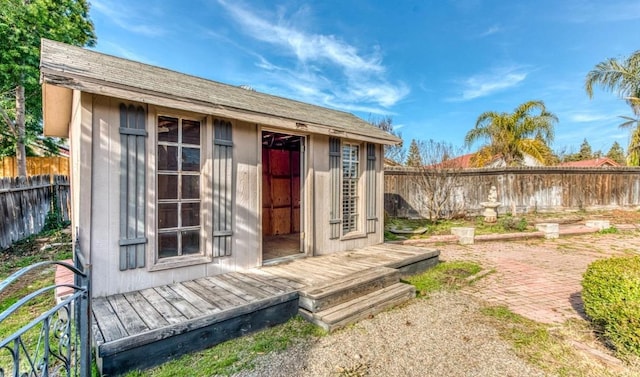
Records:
x=611, y=296
x=509, y=223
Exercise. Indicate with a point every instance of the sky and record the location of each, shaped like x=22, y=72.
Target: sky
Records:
x=433, y=66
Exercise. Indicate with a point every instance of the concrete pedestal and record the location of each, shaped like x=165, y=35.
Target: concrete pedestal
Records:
x=550, y=230
x=465, y=235
x=599, y=224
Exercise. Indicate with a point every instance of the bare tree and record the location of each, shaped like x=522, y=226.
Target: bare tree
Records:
x=394, y=153
x=437, y=180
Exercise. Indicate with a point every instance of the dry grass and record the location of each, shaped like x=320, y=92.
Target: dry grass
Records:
x=571, y=349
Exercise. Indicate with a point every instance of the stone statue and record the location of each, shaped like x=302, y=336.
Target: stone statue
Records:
x=493, y=195
x=490, y=207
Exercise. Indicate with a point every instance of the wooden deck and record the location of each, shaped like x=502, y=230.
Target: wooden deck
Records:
x=140, y=329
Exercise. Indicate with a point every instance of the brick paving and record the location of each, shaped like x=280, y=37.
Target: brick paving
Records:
x=540, y=279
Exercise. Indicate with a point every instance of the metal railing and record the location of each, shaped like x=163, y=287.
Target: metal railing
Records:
x=56, y=342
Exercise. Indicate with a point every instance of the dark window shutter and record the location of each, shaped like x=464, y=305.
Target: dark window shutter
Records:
x=133, y=159
x=335, y=175
x=222, y=188
x=372, y=189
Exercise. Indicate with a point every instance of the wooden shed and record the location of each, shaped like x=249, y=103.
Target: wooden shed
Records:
x=176, y=177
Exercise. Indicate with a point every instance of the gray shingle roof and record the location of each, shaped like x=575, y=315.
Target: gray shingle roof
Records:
x=72, y=66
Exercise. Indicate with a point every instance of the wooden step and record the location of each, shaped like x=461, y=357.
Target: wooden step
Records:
x=315, y=299
x=361, y=307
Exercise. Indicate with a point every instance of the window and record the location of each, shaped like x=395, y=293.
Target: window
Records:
x=178, y=187
x=350, y=187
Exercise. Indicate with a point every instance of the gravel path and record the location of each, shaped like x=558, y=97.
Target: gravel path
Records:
x=439, y=336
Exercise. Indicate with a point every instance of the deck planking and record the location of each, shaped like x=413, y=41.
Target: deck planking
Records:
x=131, y=323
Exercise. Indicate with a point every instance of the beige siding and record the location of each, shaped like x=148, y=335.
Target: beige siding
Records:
x=321, y=191
x=81, y=185
x=95, y=141
x=98, y=167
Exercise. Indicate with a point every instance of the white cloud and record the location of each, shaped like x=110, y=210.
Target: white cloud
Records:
x=587, y=117
x=317, y=57
x=125, y=17
x=490, y=31
x=482, y=85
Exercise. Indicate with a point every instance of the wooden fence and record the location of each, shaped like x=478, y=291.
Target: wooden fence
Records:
x=520, y=190
x=25, y=203
x=54, y=165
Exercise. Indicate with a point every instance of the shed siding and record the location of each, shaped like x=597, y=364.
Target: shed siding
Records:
x=96, y=178
x=100, y=123
x=323, y=244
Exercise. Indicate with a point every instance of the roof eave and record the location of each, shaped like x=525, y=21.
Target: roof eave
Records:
x=65, y=82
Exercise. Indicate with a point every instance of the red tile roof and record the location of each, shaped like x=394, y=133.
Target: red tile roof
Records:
x=593, y=163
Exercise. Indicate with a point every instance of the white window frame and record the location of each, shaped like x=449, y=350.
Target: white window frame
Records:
x=206, y=137
x=359, y=230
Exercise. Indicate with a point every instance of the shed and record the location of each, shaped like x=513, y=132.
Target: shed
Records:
x=176, y=177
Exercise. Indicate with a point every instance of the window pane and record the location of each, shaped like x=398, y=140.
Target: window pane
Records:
x=190, y=187
x=167, y=215
x=167, y=158
x=167, y=245
x=167, y=186
x=191, y=242
x=190, y=159
x=190, y=132
x=168, y=129
x=190, y=214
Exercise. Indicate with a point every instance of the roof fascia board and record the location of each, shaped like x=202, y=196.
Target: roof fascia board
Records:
x=52, y=77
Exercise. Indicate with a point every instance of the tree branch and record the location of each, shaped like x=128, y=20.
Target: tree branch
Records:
x=8, y=121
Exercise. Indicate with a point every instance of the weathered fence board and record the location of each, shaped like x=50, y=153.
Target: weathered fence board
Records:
x=25, y=203
x=53, y=165
x=520, y=190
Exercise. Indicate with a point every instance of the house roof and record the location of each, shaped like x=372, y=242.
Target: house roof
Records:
x=593, y=163
x=71, y=67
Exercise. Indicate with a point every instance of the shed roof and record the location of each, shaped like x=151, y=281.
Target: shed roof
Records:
x=89, y=71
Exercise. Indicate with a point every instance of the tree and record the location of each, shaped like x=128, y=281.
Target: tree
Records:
x=585, y=153
x=435, y=176
x=414, y=158
x=392, y=152
x=512, y=135
x=22, y=24
x=622, y=77
x=633, y=156
x=616, y=153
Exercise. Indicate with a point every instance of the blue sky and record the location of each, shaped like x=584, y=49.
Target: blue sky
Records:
x=432, y=66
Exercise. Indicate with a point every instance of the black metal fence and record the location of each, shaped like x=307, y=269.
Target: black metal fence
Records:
x=55, y=341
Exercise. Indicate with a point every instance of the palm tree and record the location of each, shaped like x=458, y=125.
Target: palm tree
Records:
x=622, y=77
x=633, y=151
x=512, y=135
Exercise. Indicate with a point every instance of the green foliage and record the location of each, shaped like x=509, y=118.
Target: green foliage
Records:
x=611, y=295
x=609, y=230
x=623, y=78
x=616, y=153
x=414, y=158
x=585, y=153
x=22, y=25
x=509, y=223
x=446, y=275
x=512, y=135
x=237, y=354
x=54, y=220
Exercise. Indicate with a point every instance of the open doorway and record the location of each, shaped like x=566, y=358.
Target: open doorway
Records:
x=282, y=160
